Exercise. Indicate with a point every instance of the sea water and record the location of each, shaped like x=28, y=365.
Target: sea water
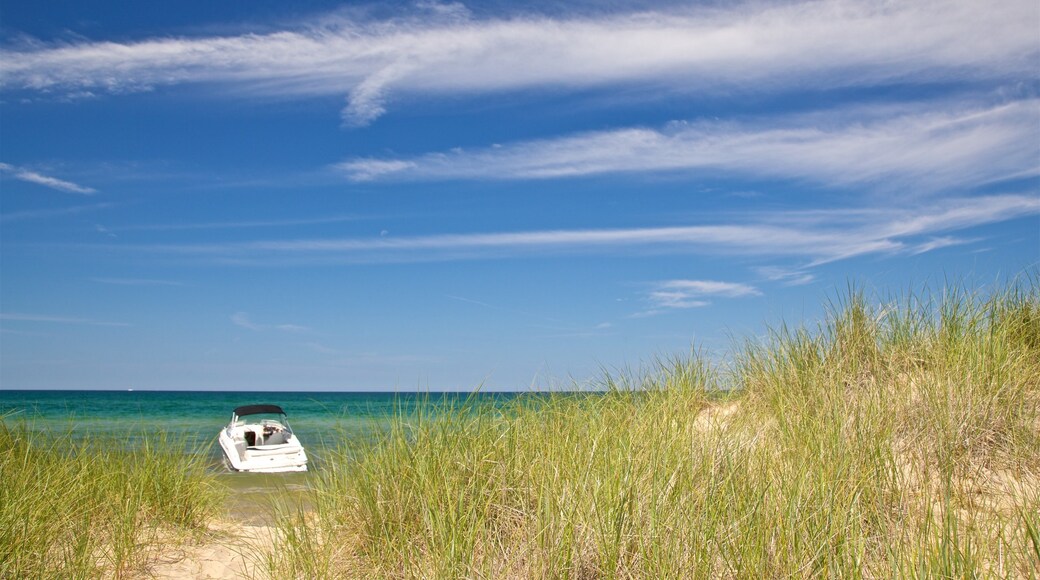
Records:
x=130, y=414
x=192, y=420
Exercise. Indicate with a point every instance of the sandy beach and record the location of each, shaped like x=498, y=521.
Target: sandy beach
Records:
x=230, y=550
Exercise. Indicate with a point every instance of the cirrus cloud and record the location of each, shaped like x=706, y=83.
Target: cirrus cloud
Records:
x=816, y=237
x=745, y=46
x=29, y=176
x=956, y=145
x=243, y=320
x=685, y=294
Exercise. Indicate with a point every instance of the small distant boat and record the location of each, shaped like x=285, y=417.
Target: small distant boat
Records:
x=259, y=439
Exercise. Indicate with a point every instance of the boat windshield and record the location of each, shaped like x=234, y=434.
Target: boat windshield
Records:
x=271, y=420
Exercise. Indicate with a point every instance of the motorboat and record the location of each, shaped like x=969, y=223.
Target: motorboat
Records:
x=258, y=439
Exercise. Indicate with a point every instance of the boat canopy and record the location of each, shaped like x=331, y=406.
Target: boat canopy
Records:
x=257, y=409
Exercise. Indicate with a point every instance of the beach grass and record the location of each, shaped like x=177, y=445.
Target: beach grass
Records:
x=75, y=507
x=899, y=438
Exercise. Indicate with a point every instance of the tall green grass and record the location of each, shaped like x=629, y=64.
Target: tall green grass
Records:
x=898, y=439
x=76, y=508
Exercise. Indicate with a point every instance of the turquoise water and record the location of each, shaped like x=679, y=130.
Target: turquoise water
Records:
x=193, y=419
x=318, y=418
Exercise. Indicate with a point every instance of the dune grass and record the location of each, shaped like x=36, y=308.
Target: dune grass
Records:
x=73, y=508
x=897, y=439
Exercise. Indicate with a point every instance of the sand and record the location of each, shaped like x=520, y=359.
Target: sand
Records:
x=231, y=550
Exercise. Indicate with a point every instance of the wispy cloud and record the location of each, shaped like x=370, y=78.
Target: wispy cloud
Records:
x=927, y=150
x=20, y=317
x=938, y=243
x=786, y=276
x=744, y=46
x=243, y=320
x=104, y=231
x=32, y=214
x=242, y=224
x=817, y=237
x=29, y=176
x=709, y=288
x=684, y=294
x=136, y=282
x=291, y=328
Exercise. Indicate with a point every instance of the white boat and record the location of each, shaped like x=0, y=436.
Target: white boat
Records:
x=259, y=439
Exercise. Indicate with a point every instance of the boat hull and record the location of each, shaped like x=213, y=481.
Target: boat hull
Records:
x=281, y=458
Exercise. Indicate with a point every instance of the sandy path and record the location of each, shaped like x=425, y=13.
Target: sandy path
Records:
x=231, y=551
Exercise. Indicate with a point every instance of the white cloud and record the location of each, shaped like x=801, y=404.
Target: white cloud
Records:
x=955, y=146
x=747, y=46
x=369, y=169
x=291, y=328
x=47, y=213
x=938, y=243
x=29, y=176
x=242, y=224
x=136, y=282
x=786, y=276
x=709, y=288
x=672, y=299
x=243, y=320
x=104, y=231
x=818, y=237
x=684, y=294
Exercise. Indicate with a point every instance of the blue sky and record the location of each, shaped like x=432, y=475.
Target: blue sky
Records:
x=424, y=195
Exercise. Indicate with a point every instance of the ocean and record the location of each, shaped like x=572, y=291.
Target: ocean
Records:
x=193, y=419
x=199, y=415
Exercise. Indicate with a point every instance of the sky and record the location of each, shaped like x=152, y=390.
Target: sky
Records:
x=446, y=196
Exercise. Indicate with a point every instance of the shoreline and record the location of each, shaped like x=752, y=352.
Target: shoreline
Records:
x=889, y=441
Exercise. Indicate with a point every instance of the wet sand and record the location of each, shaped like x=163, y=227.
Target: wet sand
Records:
x=252, y=498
